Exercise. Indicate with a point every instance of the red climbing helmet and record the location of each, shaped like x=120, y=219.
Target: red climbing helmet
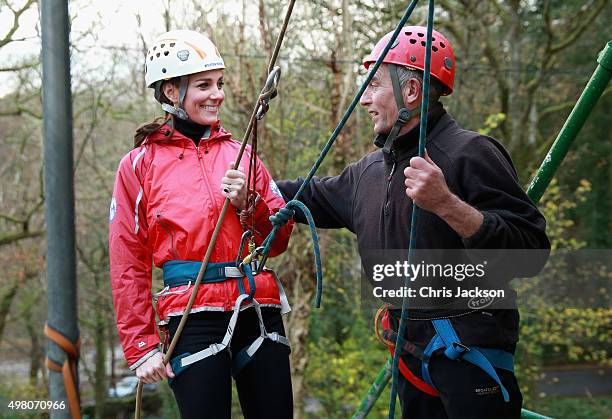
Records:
x=409, y=51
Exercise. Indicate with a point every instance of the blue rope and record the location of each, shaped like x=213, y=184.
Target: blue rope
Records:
x=281, y=217
x=415, y=210
x=356, y=99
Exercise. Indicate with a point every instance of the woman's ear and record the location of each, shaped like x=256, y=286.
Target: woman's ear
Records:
x=171, y=92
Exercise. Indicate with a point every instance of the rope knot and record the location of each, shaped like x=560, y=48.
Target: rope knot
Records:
x=69, y=369
x=282, y=217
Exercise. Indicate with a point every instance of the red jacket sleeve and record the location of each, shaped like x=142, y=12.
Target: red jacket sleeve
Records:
x=270, y=202
x=130, y=262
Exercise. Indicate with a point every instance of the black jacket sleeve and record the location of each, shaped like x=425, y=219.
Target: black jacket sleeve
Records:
x=329, y=199
x=488, y=182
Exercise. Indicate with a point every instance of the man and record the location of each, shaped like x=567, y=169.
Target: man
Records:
x=470, y=199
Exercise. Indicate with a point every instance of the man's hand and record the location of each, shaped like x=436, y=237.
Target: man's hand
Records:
x=233, y=186
x=153, y=369
x=426, y=186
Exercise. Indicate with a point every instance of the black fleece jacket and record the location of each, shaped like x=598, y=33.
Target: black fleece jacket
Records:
x=369, y=199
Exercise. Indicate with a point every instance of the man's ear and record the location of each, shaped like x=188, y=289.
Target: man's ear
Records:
x=171, y=91
x=412, y=91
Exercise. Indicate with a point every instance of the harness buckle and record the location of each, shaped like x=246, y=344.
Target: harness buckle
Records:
x=215, y=348
x=456, y=351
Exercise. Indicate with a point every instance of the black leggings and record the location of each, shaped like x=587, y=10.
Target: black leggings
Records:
x=204, y=389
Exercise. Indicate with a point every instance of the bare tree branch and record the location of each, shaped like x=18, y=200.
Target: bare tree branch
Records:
x=8, y=37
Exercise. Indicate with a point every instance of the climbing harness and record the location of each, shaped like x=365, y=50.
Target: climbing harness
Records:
x=179, y=273
x=446, y=339
x=69, y=369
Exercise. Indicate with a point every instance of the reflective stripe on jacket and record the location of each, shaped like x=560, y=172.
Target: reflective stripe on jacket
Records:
x=166, y=201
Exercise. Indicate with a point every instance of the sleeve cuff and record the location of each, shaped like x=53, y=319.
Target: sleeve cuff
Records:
x=476, y=239
x=143, y=359
x=261, y=211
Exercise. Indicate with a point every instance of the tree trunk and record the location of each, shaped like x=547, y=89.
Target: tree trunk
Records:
x=36, y=350
x=100, y=361
x=6, y=302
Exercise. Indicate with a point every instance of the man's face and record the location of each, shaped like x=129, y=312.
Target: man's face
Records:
x=379, y=101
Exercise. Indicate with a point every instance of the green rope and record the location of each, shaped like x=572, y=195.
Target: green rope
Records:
x=415, y=211
x=264, y=250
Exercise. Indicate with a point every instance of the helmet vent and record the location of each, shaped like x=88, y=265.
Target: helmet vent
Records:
x=172, y=44
x=157, y=55
x=162, y=45
x=151, y=58
x=413, y=41
x=420, y=34
x=155, y=47
x=163, y=70
x=423, y=43
x=168, y=52
x=408, y=33
x=434, y=48
x=442, y=45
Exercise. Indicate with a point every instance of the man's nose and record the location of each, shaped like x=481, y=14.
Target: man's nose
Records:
x=366, y=98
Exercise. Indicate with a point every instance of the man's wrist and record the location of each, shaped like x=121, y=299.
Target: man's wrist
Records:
x=449, y=207
x=461, y=217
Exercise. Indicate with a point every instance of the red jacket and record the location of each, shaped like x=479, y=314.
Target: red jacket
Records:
x=166, y=202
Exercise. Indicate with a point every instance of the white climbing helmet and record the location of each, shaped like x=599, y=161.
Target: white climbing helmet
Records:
x=179, y=53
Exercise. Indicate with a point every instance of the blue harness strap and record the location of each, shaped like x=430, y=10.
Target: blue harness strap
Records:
x=184, y=272
x=486, y=359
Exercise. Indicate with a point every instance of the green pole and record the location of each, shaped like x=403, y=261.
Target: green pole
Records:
x=540, y=182
x=573, y=124
x=528, y=414
x=374, y=393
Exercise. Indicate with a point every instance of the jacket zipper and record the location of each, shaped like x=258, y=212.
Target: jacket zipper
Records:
x=387, y=198
x=228, y=284
x=164, y=225
x=205, y=177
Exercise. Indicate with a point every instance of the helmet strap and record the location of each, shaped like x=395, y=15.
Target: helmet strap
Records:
x=178, y=110
x=403, y=115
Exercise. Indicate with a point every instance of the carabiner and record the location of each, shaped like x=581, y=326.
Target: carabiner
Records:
x=268, y=92
x=264, y=258
x=243, y=241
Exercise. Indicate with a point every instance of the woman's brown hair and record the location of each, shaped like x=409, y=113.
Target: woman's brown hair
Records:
x=145, y=130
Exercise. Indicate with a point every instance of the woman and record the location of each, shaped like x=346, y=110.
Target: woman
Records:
x=168, y=194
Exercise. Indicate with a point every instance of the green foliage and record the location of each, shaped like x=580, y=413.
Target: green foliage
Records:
x=569, y=408
x=555, y=332
x=492, y=123
x=340, y=374
x=14, y=391
x=555, y=208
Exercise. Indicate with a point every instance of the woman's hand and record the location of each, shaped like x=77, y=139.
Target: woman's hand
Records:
x=233, y=186
x=153, y=369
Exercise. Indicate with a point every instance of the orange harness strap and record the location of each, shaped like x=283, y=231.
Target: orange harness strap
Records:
x=413, y=379
x=68, y=370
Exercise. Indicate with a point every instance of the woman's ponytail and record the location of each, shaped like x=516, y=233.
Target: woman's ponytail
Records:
x=145, y=130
